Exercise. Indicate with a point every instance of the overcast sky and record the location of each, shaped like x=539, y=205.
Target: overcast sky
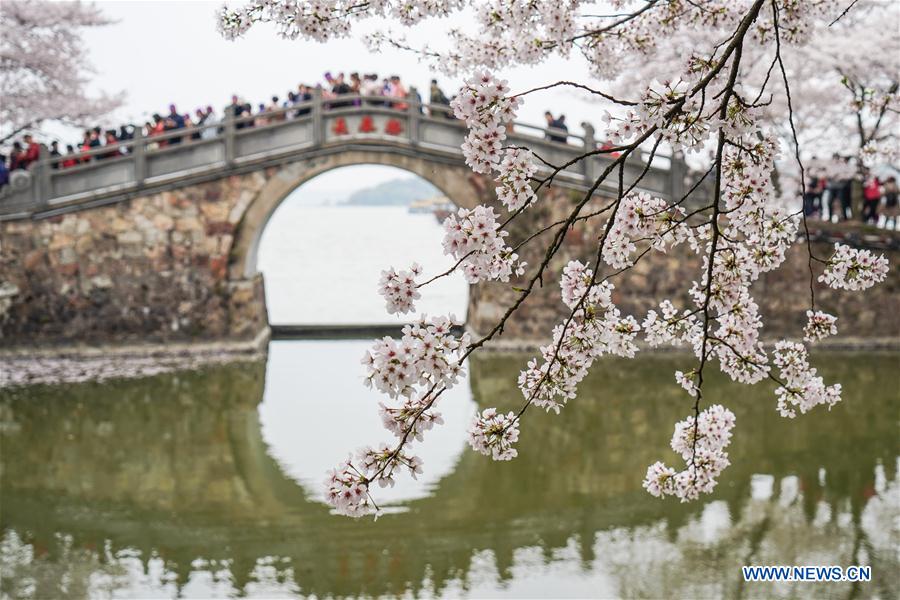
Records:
x=163, y=52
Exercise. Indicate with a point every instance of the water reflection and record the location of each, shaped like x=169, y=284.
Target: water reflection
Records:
x=171, y=486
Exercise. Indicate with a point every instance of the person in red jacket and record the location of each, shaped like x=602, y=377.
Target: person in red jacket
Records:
x=69, y=161
x=871, y=200
x=32, y=152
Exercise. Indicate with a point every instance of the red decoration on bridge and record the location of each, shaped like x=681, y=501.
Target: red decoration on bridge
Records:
x=340, y=127
x=393, y=127
x=367, y=125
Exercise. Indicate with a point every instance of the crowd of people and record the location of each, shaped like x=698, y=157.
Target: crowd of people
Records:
x=99, y=143
x=829, y=197
x=850, y=195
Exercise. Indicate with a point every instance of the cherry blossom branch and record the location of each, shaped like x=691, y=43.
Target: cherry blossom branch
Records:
x=579, y=86
x=787, y=91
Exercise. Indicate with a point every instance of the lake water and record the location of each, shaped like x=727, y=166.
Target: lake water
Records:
x=322, y=263
x=208, y=484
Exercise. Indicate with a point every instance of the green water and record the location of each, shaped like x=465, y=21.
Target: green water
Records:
x=207, y=484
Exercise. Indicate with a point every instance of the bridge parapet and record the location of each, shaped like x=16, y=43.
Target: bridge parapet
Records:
x=319, y=127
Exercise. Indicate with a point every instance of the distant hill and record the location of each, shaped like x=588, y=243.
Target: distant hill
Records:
x=396, y=192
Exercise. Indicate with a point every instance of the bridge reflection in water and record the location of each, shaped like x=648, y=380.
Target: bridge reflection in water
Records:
x=165, y=486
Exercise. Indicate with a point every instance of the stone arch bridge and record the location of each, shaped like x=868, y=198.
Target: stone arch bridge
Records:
x=159, y=242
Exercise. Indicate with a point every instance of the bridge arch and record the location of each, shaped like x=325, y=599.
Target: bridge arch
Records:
x=455, y=181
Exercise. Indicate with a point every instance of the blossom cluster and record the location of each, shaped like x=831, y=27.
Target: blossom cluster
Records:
x=639, y=217
x=701, y=444
x=801, y=389
x=321, y=20
x=474, y=237
x=595, y=327
x=669, y=326
x=399, y=289
x=493, y=434
x=853, y=269
x=427, y=355
x=819, y=325
x=483, y=104
x=413, y=371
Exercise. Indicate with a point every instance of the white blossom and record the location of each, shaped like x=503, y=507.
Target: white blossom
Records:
x=854, y=269
x=819, y=325
x=701, y=445
x=475, y=238
x=45, y=66
x=399, y=289
x=493, y=434
x=801, y=388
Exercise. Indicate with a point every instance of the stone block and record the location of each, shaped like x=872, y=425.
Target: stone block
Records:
x=188, y=224
x=130, y=237
x=60, y=241
x=219, y=227
x=33, y=259
x=163, y=222
x=67, y=269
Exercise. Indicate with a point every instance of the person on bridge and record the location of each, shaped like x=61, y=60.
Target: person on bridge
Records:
x=112, y=142
x=556, y=124
x=31, y=153
x=174, y=121
x=69, y=161
x=4, y=171
x=871, y=200
x=436, y=96
x=396, y=89
x=55, y=154
x=371, y=87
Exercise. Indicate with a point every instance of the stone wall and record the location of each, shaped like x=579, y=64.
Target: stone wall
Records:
x=783, y=294
x=180, y=266
x=152, y=268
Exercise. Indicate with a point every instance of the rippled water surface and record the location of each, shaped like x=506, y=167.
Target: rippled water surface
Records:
x=207, y=484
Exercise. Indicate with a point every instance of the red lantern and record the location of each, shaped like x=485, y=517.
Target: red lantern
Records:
x=340, y=127
x=367, y=125
x=393, y=127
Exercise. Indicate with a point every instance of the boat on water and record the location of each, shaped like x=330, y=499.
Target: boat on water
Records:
x=439, y=206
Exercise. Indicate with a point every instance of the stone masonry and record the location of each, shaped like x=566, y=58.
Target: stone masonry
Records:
x=180, y=266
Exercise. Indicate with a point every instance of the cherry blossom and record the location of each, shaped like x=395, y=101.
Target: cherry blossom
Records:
x=853, y=269
x=493, y=434
x=643, y=217
x=474, y=237
x=801, y=388
x=346, y=489
x=701, y=444
x=819, y=325
x=594, y=328
x=515, y=172
x=427, y=355
x=670, y=327
x=45, y=66
x=400, y=289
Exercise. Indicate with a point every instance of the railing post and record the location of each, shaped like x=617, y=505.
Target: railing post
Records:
x=317, y=117
x=228, y=134
x=590, y=144
x=415, y=107
x=139, y=157
x=41, y=174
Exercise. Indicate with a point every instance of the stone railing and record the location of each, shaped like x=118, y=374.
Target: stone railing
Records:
x=321, y=126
